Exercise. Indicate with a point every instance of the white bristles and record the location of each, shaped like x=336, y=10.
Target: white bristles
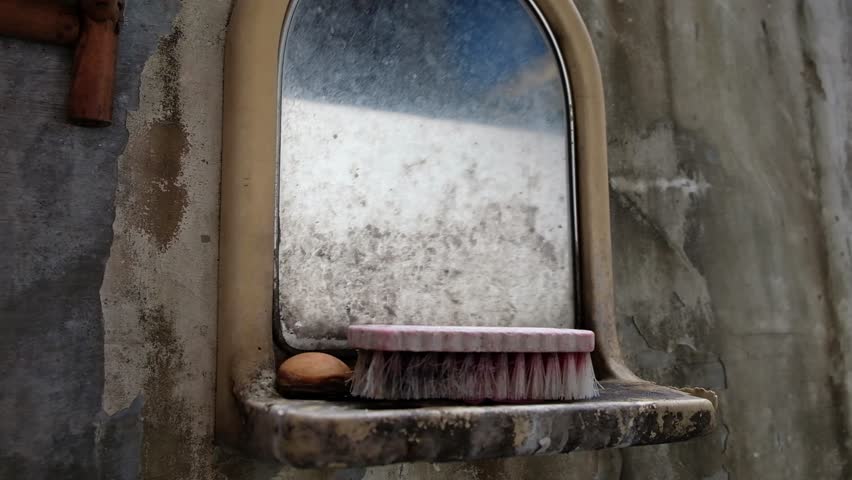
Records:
x=501, y=376
x=536, y=374
x=474, y=376
x=569, y=372
x=552, y=370
x=518, y=381
x=485, y=371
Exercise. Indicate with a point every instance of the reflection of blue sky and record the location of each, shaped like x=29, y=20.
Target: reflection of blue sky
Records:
x=495, y=40
x=481, y=60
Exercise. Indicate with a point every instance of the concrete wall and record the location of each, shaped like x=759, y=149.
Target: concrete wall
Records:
x=729, y=127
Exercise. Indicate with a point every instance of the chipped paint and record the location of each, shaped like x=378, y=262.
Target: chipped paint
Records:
x=523, y=433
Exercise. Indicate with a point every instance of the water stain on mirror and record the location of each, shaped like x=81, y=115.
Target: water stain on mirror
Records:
x=423, y=170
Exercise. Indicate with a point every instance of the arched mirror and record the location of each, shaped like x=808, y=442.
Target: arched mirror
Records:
x=425, y=171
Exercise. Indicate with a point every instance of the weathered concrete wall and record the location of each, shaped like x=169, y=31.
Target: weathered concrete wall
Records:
x=56, y=215
x=731, y=185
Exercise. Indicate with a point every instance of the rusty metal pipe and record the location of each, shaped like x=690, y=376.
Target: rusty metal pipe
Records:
x=94, y=28
x=93, y=82
x=40, y=21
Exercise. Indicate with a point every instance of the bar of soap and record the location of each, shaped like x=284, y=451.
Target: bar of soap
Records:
x=314, y=373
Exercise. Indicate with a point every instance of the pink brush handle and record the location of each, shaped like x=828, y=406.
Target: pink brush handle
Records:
x=413, y=338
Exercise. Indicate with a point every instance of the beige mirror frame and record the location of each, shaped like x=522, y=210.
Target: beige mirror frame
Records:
x=249, y=169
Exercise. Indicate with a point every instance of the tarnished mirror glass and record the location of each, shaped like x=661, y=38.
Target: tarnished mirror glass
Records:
x=424, y=169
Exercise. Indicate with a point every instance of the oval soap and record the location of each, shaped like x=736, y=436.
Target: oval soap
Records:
x=314, y=372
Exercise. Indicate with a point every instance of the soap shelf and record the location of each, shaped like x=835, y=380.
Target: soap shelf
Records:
x=335, y=433
x=352, y=433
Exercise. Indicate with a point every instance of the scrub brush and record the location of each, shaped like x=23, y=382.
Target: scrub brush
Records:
x=405, y=362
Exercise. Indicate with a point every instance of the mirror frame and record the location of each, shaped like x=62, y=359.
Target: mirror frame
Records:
x=248, y=200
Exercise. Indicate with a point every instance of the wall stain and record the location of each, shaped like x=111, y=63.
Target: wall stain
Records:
x=834, y=325
x=160, y=199
x=809, y=72
x=167, y=417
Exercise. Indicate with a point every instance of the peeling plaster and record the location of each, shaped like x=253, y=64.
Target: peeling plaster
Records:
x=158, y=294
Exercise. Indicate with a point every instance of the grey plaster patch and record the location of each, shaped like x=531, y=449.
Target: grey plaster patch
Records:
x=56, y=212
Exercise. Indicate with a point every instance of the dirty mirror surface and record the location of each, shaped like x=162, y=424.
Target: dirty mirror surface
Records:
x=423, y=170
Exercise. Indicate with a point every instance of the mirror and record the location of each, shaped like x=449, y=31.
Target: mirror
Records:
x=424, y=169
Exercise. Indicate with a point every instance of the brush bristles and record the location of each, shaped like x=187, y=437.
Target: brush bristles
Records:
x=474, y=376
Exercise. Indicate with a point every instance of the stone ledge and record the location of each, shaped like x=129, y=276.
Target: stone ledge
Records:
x=352, y=433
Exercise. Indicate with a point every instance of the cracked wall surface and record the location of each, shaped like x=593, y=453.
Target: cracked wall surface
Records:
x=729, y=141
